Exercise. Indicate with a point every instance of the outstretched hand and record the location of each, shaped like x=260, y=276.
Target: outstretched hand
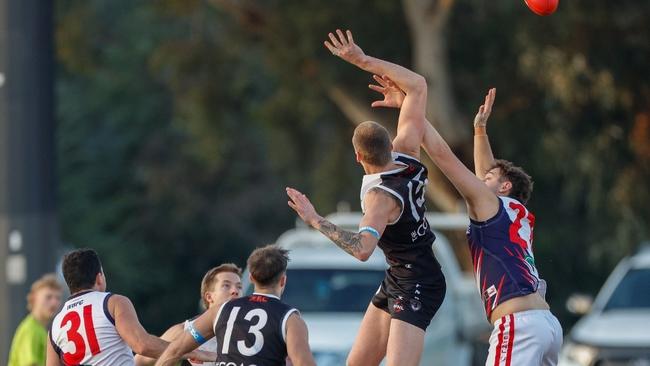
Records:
x=393, y=95
x=484, y=111
x=200, y=356
x=343, y=46
x=303, y=207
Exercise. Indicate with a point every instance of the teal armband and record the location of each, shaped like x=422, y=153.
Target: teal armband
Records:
x=195, y=334
x=370, y=230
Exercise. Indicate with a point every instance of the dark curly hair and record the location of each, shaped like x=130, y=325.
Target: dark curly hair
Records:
x=522, y=183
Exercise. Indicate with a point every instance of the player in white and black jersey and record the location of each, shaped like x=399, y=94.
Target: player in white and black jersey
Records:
x=392, y=199
x=95, y=327
x=219, y=284
x=256, y=330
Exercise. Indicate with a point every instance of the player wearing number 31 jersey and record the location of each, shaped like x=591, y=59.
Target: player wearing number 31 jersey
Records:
x=256, y=330
x=96, y=327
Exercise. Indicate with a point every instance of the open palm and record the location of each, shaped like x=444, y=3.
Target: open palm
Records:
x=393, y=95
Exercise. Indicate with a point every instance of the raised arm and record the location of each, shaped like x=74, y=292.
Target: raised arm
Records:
x=483, y=158
x=188, y=340
x=298, y=342
x=131, y=331
x=482, y=203
x=411, y=123
x=380, y=210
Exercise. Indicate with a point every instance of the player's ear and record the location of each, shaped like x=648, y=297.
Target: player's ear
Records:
x=100, y=280
x=283, y=280
x=358, y=156
x=506, y=186
x=207, y=297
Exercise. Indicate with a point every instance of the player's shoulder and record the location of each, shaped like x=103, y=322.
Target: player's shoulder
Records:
x=511, y=203
x=405, y=158
x=380, y=196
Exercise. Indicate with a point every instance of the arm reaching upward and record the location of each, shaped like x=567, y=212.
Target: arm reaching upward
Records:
x=483, y=158
x=482, y=203
x=411, y=123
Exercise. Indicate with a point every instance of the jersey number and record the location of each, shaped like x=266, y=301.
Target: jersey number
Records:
x=75, y=337
x=516, y=225
x=255, y=330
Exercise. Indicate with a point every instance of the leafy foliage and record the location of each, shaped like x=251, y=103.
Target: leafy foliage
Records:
x=180, y=123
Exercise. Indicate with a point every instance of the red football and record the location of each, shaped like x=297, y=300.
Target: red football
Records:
x=542, y=7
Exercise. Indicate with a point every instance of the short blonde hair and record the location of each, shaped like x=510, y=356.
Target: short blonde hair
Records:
x=48, y=280
x=372, y=141
x=211, y=277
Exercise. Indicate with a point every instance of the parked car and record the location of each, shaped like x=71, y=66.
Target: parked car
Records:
x=332, y=290
x=616, y=330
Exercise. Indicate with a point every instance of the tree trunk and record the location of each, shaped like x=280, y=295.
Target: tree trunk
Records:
x=427, y=20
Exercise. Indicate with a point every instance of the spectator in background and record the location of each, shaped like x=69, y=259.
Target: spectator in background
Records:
x=28, y=347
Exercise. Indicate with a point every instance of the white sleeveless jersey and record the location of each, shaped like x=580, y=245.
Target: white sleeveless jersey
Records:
x=83, y=333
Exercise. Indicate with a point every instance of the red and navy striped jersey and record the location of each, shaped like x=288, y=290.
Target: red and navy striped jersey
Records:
x=502, y=254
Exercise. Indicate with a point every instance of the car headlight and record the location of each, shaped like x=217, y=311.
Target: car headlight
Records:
x=330, y=358
x=581, y=354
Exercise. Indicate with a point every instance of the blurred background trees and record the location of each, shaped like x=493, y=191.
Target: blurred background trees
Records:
x=180, y=122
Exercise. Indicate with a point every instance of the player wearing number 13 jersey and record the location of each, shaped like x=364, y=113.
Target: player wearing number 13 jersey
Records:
x=256, y=330
x=96, y=327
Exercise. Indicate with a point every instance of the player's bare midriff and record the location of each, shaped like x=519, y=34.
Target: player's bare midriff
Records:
x=532, y=301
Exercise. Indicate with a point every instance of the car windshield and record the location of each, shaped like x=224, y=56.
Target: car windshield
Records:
x=331, y=290
x=633, y=292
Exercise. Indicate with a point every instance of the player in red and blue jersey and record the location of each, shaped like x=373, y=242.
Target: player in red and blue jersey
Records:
x=500, y=237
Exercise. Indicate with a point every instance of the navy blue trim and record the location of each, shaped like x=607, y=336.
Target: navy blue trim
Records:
x=56, y=348
x=405, y=156
x=106, y=312
x=79, y=294
x=490, y=220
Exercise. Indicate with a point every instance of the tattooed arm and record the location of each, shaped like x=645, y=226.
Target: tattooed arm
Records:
x=381, y=209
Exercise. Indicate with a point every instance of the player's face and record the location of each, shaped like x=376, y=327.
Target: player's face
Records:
x=495, y=182
x=226, y=287
x=492, y=179
x=47, y=302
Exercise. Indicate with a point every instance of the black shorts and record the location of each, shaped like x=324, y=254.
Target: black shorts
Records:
x=411, y=301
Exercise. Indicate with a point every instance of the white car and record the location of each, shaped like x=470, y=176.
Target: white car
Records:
x=333, y=289
x=616, y=331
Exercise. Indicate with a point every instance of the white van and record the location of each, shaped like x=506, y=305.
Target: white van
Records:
x=616, y=330
x=333, y=289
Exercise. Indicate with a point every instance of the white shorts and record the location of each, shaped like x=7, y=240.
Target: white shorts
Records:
x=527, y=338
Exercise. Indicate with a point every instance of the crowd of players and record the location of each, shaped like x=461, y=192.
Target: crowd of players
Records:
x=96, y=327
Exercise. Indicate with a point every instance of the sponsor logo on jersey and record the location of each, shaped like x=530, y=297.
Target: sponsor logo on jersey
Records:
x=258, y=298
x=490, y=292
x=415, y=305
x=530, y=260
x=74, y=304
x=398, y=306
x=421, y=230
